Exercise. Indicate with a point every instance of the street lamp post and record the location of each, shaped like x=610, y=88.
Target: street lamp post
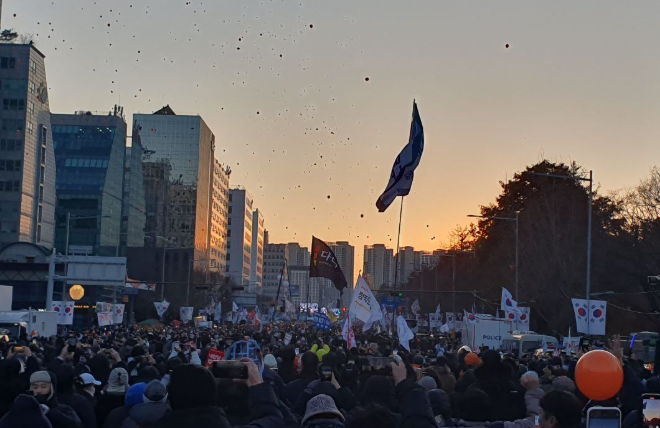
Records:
x=516, y=233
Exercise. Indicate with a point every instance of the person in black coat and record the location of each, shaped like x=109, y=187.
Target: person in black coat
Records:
x=44, y=387
x=66, y=395
x=507, y=400
x=192, y=393
x=309, y=372
x=25, y=412
x=285, y=368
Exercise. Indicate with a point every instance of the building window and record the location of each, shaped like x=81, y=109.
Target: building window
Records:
x=32, y=88
x=7, y=62
x=31, y=108
x=41, y=193
x=33, y=66
x=38, y=233
x=30, y=128
x=40, y=213
x=42, y=174
x=44, y=135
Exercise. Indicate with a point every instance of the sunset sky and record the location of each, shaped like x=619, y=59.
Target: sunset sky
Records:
x=317, y=101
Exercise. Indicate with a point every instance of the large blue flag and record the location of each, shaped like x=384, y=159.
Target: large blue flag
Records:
x=404, y=166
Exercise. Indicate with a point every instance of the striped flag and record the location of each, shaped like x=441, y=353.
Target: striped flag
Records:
x=404, y=166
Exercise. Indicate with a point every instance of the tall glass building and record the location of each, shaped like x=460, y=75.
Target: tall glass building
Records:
x=178, y=167
x=89, y=153
x=133, y=216
x=27, y=161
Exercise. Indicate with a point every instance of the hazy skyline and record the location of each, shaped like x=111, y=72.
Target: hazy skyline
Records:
x=297, y=120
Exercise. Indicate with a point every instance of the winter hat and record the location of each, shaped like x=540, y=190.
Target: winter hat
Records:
x=270, y=362
x=135, y=395
x=191, y=387
x=418, y=360
x=472, y=360
x=475, y=405
x=428, y=383
x=40, y=376
x=465, y=348
x=118, y=381
x=563, y=383
x=439, y=401
x=25, y=413
x=321, y=405
x=155, y=392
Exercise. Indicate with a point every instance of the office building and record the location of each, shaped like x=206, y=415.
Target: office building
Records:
x=89, y=155
x=239, y=241
x=378, y=267
x=178, y=165
x=134, y=214
x=257, y=255
x=274, y=263
x=27, y=158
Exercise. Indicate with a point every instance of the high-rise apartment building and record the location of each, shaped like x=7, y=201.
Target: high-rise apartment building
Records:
x=274, y=261
x=239, y=247
x=345, y=254
x=178, y=164
x=220, y=215
x=425, y=260
x=378, y=267
x=89, y=155
x=27, y=158
x=257, y=265
x=405, y=262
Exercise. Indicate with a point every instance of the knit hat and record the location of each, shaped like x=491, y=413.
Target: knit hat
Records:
x=135, y=395
x=563, y=383
x=428, y=383
x=321, y=405
x=472, y=360
x=270, y=362
x=155, y=392
x=40, y=376
x=118, y=381
x=25, y=413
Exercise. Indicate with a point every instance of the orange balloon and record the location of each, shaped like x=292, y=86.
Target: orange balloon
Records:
x=599, y=375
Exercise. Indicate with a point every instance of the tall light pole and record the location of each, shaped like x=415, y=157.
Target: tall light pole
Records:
x=589, y=209
x=516, y=233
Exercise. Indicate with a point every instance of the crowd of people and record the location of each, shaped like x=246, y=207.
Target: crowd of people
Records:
x=297, y=377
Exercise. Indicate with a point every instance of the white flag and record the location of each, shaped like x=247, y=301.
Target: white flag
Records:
x=118, y=313
x=217, y=314
x=415, y=307
x=404, y=166
x=186, y=313
x=512, y=314
x=437, y=311
x=347, y=333
x=105, y=318
x=597, y=317
x=161, y=307
x=364, y=305
x=581, y=310
x=234, y=307
x=287, y=339
x=404, y=332
x=507, y=300
x=523, y=318
x=288, y=307
x=451, y=320
x=64, y=312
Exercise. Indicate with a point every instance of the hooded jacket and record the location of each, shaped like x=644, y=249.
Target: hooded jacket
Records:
x=264, y=408
x=25, y=413
x=145, y=415
x=60, y=415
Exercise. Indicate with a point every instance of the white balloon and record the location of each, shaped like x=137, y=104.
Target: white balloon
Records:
x=285, y=283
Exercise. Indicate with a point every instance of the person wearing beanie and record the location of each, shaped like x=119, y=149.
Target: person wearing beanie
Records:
x=563, y=383
x=193, y=394
x=66, y=379
x=134, y=397
x=270, y=362
x=472, y=361
x=322, y=412
x=26, y=412
x=153, y=407
x=113, y=395
x=44, y=388
x=428, y=383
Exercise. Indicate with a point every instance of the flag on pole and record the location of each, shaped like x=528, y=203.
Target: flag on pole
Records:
x=507, y=301
x=323, y=264
x=347, y=333
x=415, y=307
x=364, y=306
x=404, y=332
x=161, y=307
x=403, y=170
x=118, y=314
x=234, y=307
x=437, y=311
x=523, y=318
x=581, y=310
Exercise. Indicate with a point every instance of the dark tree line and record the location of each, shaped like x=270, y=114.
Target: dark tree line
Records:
x=553, y=218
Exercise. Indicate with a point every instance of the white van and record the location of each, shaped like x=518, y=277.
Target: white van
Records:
x=526, y=342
